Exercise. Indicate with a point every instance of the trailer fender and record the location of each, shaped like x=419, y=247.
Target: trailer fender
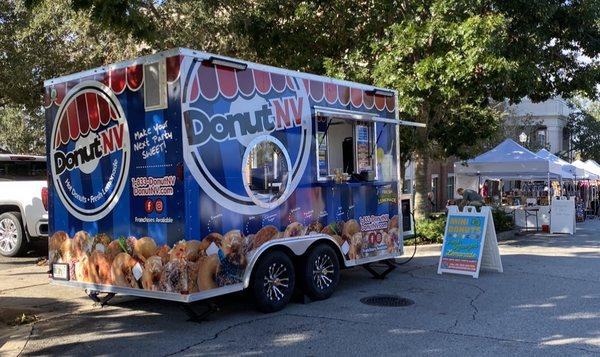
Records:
x=297, y=245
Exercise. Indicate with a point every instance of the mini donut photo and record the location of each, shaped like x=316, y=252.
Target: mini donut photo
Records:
x=356, y=246
x=350, y=228
x=265, y=234
x=151, y=273
x=54, y=246
x=144, y=248
x=314, y=227
x=122, y=270
x=294, y=229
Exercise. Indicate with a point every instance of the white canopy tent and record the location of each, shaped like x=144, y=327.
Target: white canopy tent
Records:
x=569, y=171
x=508, y=160
x=591, y=172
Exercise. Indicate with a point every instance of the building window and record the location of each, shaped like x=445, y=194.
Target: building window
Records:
x=450, y=187
x=407, y=186
x=541, y=137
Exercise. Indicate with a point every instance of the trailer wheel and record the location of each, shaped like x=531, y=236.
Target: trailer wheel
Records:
x=273, y=281
x=321, y=272
x=12, y=235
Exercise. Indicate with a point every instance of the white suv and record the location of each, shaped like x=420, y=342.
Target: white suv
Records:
x=23, y=202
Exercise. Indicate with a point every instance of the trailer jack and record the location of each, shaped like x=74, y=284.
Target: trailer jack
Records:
x=199, y=316
x=102, y=300
x=377, y=274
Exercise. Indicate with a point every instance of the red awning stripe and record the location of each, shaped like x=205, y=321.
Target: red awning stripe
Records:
x=208, y=82
x=379, y=102
x=227, y=81
x=245, y=80
x=331, y=93
x=278, y=82
x=82, y=115
x=135, y=76
x=316, y=90
x=368, y=100
x=93, y=112
x=262, y=81
x=117, y=80
x=173, y=68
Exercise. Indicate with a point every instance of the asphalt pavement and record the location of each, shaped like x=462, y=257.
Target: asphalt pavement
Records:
x=547, y=302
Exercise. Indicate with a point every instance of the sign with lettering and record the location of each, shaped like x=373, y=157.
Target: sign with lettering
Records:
x=562, y=215
x=469, y=242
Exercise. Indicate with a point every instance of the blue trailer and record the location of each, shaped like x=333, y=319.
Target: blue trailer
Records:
x=186, y=175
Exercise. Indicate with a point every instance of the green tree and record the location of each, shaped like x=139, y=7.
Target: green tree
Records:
x=449, y=59
x=584, y=126
x=36, y=44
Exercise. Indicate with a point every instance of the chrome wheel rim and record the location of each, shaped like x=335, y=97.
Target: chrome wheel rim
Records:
x=8, y=235
x=276, y=281
x=323, y=271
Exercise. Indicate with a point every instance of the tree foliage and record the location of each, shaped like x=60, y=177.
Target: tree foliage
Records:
x=449, y=59
x=584, y=126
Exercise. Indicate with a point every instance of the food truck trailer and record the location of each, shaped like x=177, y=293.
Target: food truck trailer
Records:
x=186, y=175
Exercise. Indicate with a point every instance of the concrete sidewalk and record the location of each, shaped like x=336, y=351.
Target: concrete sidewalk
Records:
x=546, y=302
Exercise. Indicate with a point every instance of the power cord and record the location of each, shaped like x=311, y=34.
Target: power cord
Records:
x=412, y=215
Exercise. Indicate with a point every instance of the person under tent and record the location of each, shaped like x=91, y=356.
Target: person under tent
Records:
x=469, y=198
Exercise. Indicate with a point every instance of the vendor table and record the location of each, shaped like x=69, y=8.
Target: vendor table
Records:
x=529, y=217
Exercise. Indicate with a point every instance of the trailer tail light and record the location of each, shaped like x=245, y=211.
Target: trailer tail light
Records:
x=45, y=197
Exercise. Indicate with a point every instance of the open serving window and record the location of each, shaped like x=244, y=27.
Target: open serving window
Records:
x=356, y=145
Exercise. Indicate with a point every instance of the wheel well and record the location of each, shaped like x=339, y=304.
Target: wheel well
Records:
x=9, y=208
x=281, y=248
x=333, y=246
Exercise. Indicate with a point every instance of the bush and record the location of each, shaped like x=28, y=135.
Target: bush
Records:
x=431, y=230
x=502, y=221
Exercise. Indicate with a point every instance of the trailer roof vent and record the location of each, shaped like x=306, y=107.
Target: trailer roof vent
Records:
x=155, y=85
x=386, y=301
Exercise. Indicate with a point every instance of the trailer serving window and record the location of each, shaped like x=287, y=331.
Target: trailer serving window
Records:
x=344, y=144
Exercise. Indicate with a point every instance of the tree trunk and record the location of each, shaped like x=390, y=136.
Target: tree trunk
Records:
x=422, y=186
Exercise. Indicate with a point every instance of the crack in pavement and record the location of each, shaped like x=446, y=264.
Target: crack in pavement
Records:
x=497, y=339
x=22, y=287
x=218, y=333
x=27, y=340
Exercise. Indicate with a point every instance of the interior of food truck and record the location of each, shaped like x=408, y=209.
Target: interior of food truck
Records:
x=345, y=147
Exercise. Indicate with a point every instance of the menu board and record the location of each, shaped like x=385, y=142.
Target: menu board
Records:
x=363, y=148
x=322, y=153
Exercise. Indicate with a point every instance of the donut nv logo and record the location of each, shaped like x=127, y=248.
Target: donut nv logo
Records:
x=283, y=114
x=89, y=143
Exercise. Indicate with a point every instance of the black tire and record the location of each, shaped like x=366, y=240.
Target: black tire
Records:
x=320, y=272
x=12, y=235
x=273, y=281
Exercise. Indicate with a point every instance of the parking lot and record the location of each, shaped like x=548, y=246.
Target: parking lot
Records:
x=547, y=301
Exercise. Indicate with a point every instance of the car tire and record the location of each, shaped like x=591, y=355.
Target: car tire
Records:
x=320, y=272
x=273, y=281
x=12, y=235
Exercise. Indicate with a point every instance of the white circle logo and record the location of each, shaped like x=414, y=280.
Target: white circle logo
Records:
x=89, y=151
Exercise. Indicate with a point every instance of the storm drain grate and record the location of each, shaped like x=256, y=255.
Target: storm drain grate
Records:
x=386, y=301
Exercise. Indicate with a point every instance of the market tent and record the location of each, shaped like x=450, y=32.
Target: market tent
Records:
x=569, y=171
x=591, y=172
x=509, y=160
